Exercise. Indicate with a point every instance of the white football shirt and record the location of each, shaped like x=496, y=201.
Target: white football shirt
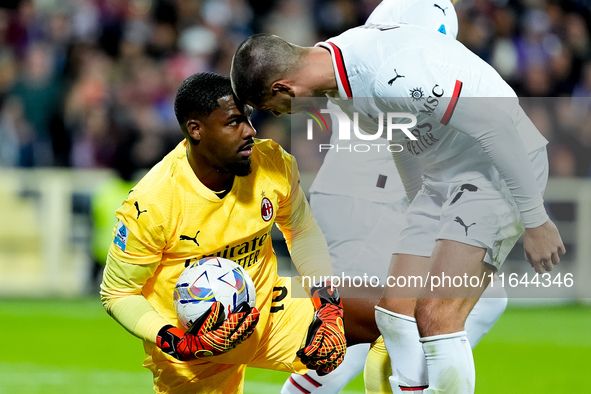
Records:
x=371, y=175
x=437, y=15
x=467, y=115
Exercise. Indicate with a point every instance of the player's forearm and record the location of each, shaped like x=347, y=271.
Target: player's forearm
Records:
x=305, y=241
x=122, y=299
x=512, y=162
x=137, y=316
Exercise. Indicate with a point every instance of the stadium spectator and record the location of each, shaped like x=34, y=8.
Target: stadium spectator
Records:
x=127, y=30
x=39, y=91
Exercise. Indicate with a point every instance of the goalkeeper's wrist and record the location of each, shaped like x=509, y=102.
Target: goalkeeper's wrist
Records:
x=165, y=332
x=168, y=339
x=325, y=293
x=164, y=329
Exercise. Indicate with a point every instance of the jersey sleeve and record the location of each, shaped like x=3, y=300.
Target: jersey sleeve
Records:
x=122, y=299
x=305, y=241
x=486, y=119
x=407, y=80
x=139, y=236
x=495, y=130
x=134, y=256
x=404, y=89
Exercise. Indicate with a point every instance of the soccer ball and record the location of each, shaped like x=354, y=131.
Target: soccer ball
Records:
x=209, y=280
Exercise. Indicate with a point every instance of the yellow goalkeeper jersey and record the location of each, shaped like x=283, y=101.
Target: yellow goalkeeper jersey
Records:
x=170, y=217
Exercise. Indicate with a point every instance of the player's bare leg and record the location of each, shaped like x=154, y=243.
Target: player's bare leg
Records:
x=360, y=325
x=440, y=313
x=443, y=309
x=481, y=319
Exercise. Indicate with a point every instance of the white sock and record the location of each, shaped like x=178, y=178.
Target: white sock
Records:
x=401, y=337
x=450, y=364
x=335, y=381
x=483, y=316
x=486, y=312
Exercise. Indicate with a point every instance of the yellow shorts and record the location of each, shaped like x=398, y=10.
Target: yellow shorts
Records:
x=280, y=333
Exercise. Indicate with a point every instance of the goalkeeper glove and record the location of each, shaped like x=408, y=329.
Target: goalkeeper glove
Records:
x=325, y=344
x=211, y=335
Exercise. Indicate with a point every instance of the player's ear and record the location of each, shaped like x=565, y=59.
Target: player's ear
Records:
x=194, y=128
x=282, y=87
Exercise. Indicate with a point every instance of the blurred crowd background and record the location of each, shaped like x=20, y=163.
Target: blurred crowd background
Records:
x=91, y=83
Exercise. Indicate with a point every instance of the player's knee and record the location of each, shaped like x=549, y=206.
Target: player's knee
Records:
x=437, y=315
x=426, y=314
x=401, y=305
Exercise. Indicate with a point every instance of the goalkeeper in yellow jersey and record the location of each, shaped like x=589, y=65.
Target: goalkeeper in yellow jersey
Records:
x=218, y=193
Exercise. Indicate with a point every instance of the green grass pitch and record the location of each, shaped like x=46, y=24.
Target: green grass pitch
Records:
x=72, y=346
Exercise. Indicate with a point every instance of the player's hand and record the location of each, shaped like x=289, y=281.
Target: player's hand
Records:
x=325, y=343
x=542, y=246
x=211, y=335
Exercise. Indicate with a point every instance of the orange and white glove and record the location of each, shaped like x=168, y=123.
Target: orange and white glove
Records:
x=211, y=335
x=325, y=344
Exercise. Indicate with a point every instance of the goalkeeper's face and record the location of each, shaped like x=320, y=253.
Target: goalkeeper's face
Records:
x=226, y=139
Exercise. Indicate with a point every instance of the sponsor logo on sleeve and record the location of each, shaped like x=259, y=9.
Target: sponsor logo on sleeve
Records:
x=121, y=235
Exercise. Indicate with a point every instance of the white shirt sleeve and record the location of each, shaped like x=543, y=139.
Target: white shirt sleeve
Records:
x=494, y=129
x=488, y=120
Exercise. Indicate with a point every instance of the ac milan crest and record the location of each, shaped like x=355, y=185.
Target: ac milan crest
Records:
x=266, y=209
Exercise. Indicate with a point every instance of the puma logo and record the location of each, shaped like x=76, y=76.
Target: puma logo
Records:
x=187, y=238
x=390, y=82
x=442, y=9
x=461, y=222
x=137, y=207
x=465, y=186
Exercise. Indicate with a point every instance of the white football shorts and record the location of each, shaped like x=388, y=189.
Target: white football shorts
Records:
x=478, y=211
x=361, y=234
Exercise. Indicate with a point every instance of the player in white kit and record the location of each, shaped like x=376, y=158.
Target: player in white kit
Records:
x=473, y=168
x=359, y=202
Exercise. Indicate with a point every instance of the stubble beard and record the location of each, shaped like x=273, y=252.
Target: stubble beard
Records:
x=240, y=168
